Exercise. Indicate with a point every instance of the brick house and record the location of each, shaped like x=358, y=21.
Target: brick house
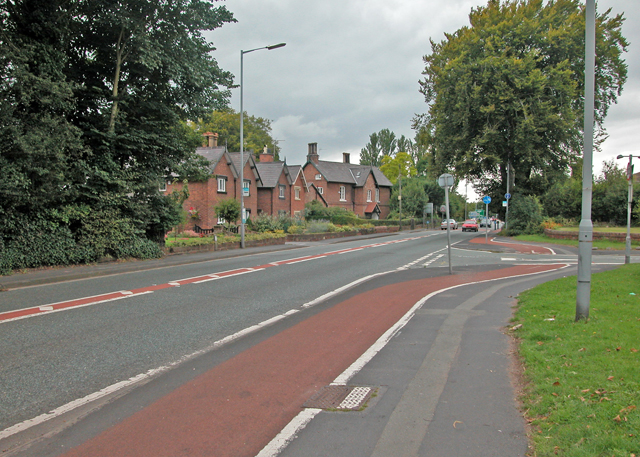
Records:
x=224, y=183
x=363, y=189
x=282, y=189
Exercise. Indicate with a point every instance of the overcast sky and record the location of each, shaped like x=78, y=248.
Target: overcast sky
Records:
x=351, y=68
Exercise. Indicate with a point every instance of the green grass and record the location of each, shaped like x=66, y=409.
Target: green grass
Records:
x=599, y=244
x=601, y=229
x=582, y=393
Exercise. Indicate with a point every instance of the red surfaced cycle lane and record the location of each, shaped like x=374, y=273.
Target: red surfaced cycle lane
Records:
x=237, y=407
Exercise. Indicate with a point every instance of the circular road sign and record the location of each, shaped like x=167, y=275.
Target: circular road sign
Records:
x=507, y=196
x=486, y=200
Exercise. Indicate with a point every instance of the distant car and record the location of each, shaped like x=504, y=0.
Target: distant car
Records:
x=484, y=222
x=470, y=225
x=452, y=224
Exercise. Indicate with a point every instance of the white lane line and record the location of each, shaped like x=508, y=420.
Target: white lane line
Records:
x=299, y=422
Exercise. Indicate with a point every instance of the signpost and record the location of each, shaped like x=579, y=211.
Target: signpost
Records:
x=486, y=199
x=446, y=181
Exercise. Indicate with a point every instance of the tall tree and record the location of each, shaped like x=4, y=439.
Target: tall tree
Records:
x=370, y=154
x=226, y=123
x=509, y=88
x=94, y=97
x=400, y=165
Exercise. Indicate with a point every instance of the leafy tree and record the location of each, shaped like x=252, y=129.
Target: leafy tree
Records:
x=509, y=89
x=611, y=194
x=400, y=165
x=226, y=123
x=414, y=198
x=381, y=144
x=228, y=209
x=94, y=99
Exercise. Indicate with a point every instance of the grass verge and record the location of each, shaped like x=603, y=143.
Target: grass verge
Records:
x=598, y=244
x=582, y=392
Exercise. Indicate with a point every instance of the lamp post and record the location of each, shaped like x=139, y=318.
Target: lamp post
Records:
x=627, y=253
x=242, y=215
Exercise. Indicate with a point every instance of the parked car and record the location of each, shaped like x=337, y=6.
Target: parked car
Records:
x=452, y=224
x=470, y=225
x=484, y=222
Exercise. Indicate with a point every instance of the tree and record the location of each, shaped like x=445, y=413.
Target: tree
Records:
x=228, y=209
x=400, y=165
x=381, y=144
x=509, y=89
x=94, y=99
x=414, y=198
x=226, y=123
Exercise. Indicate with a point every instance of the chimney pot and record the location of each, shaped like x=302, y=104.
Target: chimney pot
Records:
x=346, y=157
x=312, y=156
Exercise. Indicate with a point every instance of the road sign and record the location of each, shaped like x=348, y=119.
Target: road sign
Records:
x=473, y=214
x=443, y=209
x=445, y=180
x=507, y=196
x=504, y=203
x=428, y=208
x=486, y=199
x=480, y=212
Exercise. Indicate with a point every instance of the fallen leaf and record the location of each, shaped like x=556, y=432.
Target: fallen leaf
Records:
x=610, y=378
x=618, y=348
x=557, y=383
x=456, y=423
x=516, y=327
x=582, y=349
x=585, y=391
x=617, y=418
x=591, y=415
x=540, y=343
x=554, y=394
x=633, y=350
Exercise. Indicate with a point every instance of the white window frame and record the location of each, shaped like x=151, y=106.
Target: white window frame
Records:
x=318, y=177
x=221, y=220
x=281, y=191
x=163, y=186
x=297, y=193
x=320, y=190
x=377, y=195
x=343, y=194
x=245, y=187
x=222, y=184
x=369, y=195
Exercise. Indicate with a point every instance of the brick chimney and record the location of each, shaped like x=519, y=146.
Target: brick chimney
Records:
x=346, y=157
x=266, y=156
x=312, y=156
x=211, y=139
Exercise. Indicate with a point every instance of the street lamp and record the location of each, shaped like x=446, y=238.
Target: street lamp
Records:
x=627, y=254
x=242, y=53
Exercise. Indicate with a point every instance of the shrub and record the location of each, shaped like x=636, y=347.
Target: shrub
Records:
x=525, y=215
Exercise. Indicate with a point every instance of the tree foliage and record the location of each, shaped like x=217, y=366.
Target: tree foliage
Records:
x=94, y=99
x=400, y=165
x=226, y=123
x=228, y=209
x=509, y=89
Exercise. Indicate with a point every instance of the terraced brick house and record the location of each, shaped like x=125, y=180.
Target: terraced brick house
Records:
x=363, y=189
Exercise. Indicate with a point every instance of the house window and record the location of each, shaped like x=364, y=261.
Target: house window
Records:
x=221, y=220
x=297, y=190
x=163, y=186
x=281, y=190
x=245, y=187
x=343, y=192
x=222, y=184
x=320, y=190
x=369, y=195
x=318, y=177
x=378, y=195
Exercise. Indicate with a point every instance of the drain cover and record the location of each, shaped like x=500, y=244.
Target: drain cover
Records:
x=343, y=398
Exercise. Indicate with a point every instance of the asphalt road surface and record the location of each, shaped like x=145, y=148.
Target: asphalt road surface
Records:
x=219, y=357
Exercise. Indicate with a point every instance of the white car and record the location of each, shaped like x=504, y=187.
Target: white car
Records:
x=452, y=224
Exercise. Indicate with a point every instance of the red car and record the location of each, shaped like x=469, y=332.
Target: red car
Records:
x=470, y=225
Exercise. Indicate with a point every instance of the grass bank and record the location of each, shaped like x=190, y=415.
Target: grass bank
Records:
x=582, y=392
x=598, y=244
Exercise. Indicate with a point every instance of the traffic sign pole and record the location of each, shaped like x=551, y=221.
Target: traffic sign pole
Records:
x=486, y=201
x=446, y=180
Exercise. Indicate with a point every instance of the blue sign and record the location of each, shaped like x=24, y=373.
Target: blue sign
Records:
x=486, y=200
x=507, y=196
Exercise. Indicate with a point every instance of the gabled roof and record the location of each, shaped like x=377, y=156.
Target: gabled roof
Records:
x=350, y=173
x=214, y=155
x=294, y=172
x=270, y=173
x=372, y=208
x=248, y=157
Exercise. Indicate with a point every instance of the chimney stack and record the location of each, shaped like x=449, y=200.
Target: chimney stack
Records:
x=265, y=155
x=211, y=139
x=346, y=157
x=312, y=156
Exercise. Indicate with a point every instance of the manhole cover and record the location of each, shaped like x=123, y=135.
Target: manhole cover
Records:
x=343, y=398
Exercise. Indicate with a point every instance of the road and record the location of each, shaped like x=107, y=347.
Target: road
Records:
x=74, y=347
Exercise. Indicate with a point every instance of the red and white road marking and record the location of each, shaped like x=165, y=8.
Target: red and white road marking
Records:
x=24, y=313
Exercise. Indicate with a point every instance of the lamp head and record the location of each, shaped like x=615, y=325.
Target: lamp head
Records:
x=276, y=46
x=620, y=156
